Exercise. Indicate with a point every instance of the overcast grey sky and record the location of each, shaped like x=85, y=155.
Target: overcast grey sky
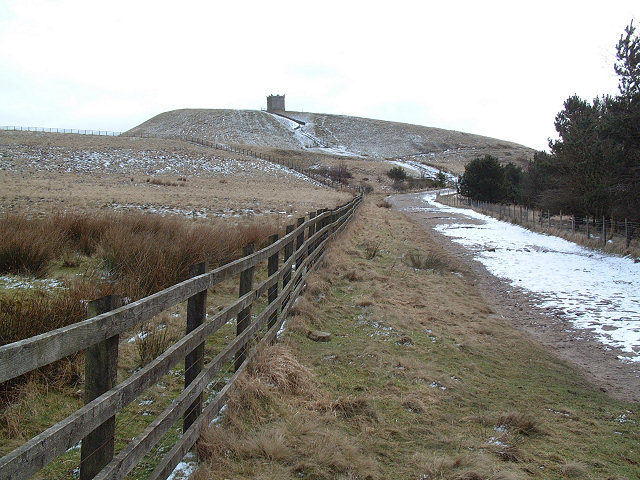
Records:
x=501, y=69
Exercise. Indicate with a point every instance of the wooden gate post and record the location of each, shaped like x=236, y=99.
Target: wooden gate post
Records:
x=272, y=267
x=244, y=317
x=194, y=361
x=101, y=369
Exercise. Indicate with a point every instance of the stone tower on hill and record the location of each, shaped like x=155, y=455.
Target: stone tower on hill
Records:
x=275, y=102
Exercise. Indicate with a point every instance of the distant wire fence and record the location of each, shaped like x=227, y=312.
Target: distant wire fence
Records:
x=603, y=230
x=104, y=133
x=209, y=370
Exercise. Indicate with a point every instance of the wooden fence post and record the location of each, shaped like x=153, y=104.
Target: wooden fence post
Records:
x=588, y=233
x=244, y=317
x=299, y=242
x=101, y=369
x=288, y=251
x=272, y=267
x=194, y=361
x=300, y=237
x=604, y=233
x=626, y=233
x=312, y=231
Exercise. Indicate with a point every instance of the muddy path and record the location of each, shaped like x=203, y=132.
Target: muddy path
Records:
x=599, y=363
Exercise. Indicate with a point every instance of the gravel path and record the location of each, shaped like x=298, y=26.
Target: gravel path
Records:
x=600, y=362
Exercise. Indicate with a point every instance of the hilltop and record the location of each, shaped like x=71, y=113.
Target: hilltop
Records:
x=340, y=135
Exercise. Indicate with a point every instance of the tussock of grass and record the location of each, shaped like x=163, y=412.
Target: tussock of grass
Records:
x=277, y=366
x=279, y=425
x=428, y=261
x=153, y=339
x=27, y=246
x=520, y=423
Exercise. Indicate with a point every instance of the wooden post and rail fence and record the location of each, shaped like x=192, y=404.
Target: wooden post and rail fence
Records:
x=94, y=424
x=602, y=229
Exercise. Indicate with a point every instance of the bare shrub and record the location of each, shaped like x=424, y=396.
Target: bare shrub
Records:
x=339, y=174
x=366, y=187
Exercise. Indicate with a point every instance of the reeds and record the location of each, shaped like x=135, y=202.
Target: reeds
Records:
x=141, y=253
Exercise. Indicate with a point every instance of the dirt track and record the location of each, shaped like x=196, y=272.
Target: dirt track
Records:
x=600, y=365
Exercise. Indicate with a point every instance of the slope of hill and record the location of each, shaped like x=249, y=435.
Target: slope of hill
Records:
x=331, y=134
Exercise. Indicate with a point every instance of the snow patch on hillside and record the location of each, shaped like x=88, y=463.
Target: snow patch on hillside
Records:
x=18, y=158
x=306, y=135
x=423, y=170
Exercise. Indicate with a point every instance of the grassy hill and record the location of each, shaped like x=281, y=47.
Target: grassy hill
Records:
x=333, y=135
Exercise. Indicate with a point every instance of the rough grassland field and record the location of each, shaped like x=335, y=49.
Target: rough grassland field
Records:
x=43, y=173
x=421, y=380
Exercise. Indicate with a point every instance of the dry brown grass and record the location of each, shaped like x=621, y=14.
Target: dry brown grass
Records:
x=438, y=406
x=27, y=246
x=143, y=253
x=37, y=191
x=153, y=338
x=278, y=367
x=519, y=423
x=279, y=425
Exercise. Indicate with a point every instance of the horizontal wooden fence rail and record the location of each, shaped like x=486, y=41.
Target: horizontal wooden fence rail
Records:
x=302, y=246
x=597, y=228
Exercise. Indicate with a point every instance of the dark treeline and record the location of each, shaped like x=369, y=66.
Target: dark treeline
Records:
x=594, y=166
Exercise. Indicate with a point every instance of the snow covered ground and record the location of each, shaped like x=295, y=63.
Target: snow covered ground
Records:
x=420, y=169
x=135, y=162
x=306, y=135
x=594, y=291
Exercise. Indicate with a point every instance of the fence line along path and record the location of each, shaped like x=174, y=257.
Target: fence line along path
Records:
x=94, y=423
x=601, y=229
